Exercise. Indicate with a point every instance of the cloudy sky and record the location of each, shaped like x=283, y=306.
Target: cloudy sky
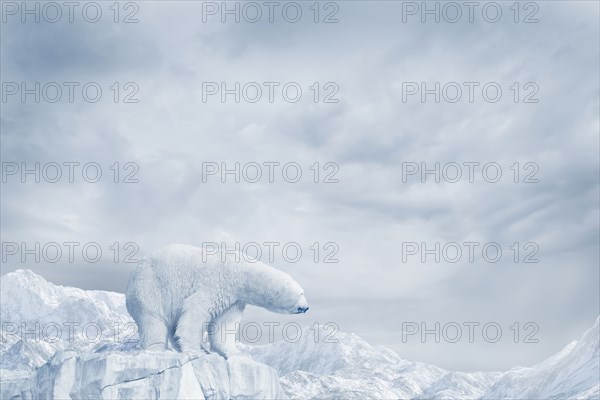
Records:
x=369, y=63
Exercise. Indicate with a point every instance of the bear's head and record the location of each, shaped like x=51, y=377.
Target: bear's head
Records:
x=277, y=292
x=288, y=298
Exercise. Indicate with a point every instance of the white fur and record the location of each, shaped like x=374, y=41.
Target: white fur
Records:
x=175, y=294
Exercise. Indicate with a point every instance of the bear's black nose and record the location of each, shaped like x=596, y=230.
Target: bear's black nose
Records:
x=302, y=309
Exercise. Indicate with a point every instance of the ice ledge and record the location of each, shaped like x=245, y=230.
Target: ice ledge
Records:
x=144, y=375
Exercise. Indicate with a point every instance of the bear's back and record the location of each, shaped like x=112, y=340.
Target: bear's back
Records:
x=183, y=266
x=190, y=268
x=163, y=280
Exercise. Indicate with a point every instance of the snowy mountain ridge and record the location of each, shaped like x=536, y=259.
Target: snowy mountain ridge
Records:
x=349, y=367
x=355, y=369
x=27, y=297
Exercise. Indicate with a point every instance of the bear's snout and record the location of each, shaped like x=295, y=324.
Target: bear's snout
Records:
x=302, y=305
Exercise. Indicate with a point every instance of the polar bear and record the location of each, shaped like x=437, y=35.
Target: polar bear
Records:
x=178, y=292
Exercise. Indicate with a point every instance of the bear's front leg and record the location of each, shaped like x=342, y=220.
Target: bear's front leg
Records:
x=222, y=334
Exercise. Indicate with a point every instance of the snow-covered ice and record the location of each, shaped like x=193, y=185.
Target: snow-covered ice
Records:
x=145, y=375
x=348, y=368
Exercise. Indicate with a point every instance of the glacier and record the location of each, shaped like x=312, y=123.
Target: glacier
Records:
x=112, y=367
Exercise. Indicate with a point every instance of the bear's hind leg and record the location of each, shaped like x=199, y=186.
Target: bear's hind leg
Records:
x=223, y=335
x=191, y=324
x=153, y=333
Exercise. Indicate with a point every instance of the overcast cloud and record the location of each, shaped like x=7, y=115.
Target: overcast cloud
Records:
x=369, y=134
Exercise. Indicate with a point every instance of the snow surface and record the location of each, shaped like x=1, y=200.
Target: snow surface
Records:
x=112, y=368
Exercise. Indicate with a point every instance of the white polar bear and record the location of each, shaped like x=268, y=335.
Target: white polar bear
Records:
x=178, y=291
